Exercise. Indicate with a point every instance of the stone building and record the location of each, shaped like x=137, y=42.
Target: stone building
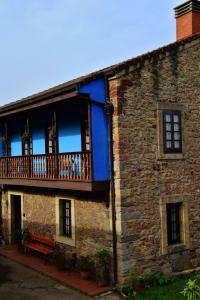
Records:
x=111, y=159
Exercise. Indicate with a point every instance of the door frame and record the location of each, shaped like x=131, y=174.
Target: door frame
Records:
x=10, y=194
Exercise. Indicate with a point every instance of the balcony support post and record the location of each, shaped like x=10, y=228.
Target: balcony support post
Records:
x=90, y=133
x=55, y=141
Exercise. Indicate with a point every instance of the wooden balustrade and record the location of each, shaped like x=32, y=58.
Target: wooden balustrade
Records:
x=63, y=166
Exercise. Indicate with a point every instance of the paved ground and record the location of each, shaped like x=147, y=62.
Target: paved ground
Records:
x=20, y=283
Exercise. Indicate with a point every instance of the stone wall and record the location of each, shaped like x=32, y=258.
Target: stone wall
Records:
x=142, y=178
x=92, y=223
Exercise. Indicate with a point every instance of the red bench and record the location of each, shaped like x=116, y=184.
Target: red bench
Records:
x=40, y=244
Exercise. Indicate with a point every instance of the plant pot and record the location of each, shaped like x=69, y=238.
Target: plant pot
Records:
x=138, y=286
x=102, y=275
x=85, y=274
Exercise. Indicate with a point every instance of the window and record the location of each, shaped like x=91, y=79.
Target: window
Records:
x=85, y=135
x=27, y=146
x=172, y=131
x=50, y=140
x=67, y=227
x=65, y=221
x=174, y=212
x=173, y=223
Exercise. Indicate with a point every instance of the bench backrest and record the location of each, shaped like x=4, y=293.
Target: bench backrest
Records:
x=43, y=240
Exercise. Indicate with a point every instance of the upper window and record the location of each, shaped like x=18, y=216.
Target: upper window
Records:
x=172, y=138
x=50, y=140
x=27, y=146
x=173, y=223
x=85, y=135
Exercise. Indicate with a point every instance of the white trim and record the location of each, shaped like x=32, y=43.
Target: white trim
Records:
x=58, y=237
x=10, y=193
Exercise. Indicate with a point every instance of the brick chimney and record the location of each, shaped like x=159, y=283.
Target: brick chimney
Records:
x=187, y=19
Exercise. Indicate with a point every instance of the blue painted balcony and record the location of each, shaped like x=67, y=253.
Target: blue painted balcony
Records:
x=60, y=143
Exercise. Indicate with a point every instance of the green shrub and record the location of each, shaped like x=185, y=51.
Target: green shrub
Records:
x=192, y=290
x=103, y=256
x=84, y=263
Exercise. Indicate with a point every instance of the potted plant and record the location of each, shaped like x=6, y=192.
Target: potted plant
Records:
x=84, y=266
x=138, y=282
x=102, y=263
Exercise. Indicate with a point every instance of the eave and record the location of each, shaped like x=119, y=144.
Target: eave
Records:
x=30, y=105
x=89, y=186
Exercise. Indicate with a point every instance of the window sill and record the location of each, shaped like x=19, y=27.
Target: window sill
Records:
x=65, y=240
x=176, y=248
x=170, y=156
x=173, y=249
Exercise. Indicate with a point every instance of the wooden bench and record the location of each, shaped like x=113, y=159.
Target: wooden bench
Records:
x=40, y=244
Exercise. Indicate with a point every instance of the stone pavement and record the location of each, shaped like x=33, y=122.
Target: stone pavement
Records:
x=21, y=283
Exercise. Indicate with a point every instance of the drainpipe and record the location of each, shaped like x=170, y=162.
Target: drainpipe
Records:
x=109, y=111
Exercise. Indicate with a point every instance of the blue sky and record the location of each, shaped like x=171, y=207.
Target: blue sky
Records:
x=47, y=42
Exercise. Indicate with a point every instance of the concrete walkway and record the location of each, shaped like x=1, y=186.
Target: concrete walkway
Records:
x=21, y=283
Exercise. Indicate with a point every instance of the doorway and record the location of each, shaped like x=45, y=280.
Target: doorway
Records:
x=15, y=212
x=16, y=216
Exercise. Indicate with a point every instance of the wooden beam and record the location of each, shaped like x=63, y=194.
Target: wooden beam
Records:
x=49, y=101
x=57, y=184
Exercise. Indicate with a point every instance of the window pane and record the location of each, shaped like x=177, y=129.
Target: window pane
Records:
x=177, y=136
x=176, y=145
x=172, y=131
x=173, y=223
x=176, y=118
x=66, y=217
x=168, y=127
x=176, y=127
x=168, y=118
x=169, y=144
x=168, y=136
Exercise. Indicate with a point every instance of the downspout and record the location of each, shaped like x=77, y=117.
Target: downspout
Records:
x=109, y=112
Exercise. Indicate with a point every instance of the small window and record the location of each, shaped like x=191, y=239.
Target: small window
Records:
x=27, y=146
x=85, y=135
x=173, y=223
x=50, y=140
x=172, y=131
x=65, y=218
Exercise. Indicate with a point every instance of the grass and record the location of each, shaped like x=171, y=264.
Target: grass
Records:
x=170, y=291
x=164, y=292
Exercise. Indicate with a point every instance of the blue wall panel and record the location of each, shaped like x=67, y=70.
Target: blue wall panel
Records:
x=16, y=144
x=96, y=89
x=69, y=132
x=100, y=143
x=38, y=138
x=14, y=130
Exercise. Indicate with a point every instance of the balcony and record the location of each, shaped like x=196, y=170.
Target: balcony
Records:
x=64, y=170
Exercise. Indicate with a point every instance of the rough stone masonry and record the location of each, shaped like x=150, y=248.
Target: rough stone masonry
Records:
x=145, y=178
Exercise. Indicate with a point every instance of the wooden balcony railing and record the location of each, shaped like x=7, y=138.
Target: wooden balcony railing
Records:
x=63, y=166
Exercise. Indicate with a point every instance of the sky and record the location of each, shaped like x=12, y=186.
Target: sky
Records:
x=48, y=42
